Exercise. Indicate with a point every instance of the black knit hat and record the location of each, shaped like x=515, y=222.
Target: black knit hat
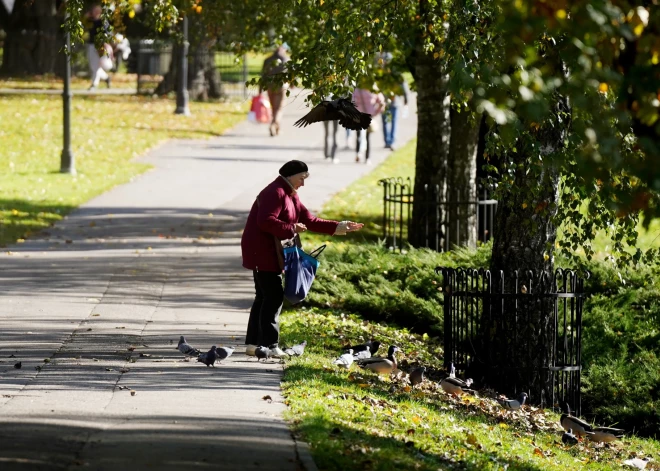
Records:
x=293, y=167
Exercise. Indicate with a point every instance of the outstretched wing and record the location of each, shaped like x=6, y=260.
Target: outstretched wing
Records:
x=351, y=117
x=321, y=112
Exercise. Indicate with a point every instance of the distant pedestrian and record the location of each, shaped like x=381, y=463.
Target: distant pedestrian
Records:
x=99, y=63
x=372, y=103
x=396, y=103
x=122, y=49
x=330, y=141
x=273, y=65
x=277, y=216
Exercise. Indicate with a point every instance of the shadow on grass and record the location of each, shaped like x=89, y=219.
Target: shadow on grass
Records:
x=19, y=218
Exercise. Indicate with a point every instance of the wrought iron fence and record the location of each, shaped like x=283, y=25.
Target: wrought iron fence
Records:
x=438, y=231
x=518, y=334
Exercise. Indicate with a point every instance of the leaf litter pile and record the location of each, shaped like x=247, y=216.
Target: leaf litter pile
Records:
x=354, y=419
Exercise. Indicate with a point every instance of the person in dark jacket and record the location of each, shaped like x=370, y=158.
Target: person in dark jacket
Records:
x=277, y=215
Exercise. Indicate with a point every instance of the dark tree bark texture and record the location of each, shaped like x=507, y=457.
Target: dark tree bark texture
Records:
x=34, y=39
x=461, y=179
x=203, y=76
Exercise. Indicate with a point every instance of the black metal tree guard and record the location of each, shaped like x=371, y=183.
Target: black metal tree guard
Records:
x=518, y=334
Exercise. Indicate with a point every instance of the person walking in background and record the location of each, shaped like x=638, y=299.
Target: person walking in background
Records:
x=396, y=103
x=99, y=64
x=277, y=216
x=273, y=65
x=330, y=142
x=372, y=103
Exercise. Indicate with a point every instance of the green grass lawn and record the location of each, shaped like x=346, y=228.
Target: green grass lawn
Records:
x=355, y=420
x=108, y=132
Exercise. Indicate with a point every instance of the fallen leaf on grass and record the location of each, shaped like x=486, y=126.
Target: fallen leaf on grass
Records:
x=539, y=452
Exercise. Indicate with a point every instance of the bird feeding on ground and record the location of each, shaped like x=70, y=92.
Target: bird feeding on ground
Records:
x=371, y=346
x=223, y=353
x=209, y=357
x=186, y=349
x=578, y=426
x=568, y=438
x=381, y=366
x=417, y=375
x=606, y=434
x=342, y=109
x=453, y=385
x=513, y=404
x=262, y=353
x=296, y=350
x=345, y=360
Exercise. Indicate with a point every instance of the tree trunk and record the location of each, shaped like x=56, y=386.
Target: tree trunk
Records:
x=34, y=39
x=203, y=76
x=433, y=134
x=517, y=327
x=461, y=179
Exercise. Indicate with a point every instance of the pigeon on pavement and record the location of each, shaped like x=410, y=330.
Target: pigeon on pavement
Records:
x=417, y=375
x=224, y=352
x=296, y=350
x=262, y=353
x=186, y=349
x=345, y=360
x=513, y=404
x=209, y=357
x=342, y=109
x=568, y=438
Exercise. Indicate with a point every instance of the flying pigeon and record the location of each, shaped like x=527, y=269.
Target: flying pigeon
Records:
x=342, y=109
x=186, y=349
x=417, y=375
x=345, y=360
x=372, y=346
x=209, y=357
x=578, y=426
x=296, y=350
x=568, y=438
x=224, y=352
x=262, y=353
x=454, y=385
x=606, y=434
x=381, y=365
x=513, y=404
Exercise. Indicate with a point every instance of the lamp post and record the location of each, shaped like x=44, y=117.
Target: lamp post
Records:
x=67, y=161
x=182, y=91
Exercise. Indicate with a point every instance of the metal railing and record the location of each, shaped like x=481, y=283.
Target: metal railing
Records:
x=518, y=334
x=435, y=224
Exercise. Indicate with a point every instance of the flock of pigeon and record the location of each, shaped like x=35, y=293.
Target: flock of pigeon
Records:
x=364, y=356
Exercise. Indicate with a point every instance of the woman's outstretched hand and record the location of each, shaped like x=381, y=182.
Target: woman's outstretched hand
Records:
x=345, y=227
x=300, y=227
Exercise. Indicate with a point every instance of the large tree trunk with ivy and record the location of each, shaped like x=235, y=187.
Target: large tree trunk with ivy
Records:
x=433, y=134
x=461, y=178
x=34, y=38
x=203, y=76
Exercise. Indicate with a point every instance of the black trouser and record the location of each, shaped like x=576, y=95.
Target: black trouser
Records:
x=264, y=323
x=330, y=146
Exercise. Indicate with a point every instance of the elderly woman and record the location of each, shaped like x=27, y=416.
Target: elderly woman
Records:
x=277, y=215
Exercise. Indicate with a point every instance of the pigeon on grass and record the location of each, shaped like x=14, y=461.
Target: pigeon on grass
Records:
x=186, y=349
x=342, y=109
x=568, y=438
x=371, y=346
x=296, y=350
x=209, y=357
x=513, y=404
x=345, y=360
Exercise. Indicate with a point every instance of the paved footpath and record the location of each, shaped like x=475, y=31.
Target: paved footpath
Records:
x=94, y=307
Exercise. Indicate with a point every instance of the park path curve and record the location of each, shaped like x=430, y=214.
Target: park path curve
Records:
x=94, y=306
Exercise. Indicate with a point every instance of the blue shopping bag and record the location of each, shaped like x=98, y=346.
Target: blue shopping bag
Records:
x=299, y=272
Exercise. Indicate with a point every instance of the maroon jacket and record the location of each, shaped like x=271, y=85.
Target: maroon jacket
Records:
x=278, y=211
